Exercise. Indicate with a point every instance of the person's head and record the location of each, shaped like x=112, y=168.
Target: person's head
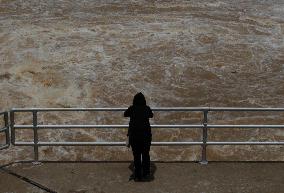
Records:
x=139, y=99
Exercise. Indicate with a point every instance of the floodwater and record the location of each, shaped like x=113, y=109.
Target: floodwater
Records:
x=178, y=53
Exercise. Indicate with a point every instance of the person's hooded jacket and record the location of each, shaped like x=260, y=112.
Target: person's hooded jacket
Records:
x=139, y=114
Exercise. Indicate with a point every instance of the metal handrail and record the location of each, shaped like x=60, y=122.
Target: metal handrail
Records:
x=153, y=109
x=108, y=109
x=101, y=143
x=153, y=126
x=6, y=130
x=100, y=126
x=205, y=126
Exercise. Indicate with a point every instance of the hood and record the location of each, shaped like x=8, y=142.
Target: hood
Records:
x=139, y=99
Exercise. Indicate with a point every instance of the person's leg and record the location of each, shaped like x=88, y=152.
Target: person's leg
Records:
x=137, y=164
x=137, y=160
x=146, y=160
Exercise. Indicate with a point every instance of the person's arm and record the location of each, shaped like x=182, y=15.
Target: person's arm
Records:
x=127, y=112
x=150, y=113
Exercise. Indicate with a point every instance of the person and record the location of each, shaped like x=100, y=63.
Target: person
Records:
x=140, y=135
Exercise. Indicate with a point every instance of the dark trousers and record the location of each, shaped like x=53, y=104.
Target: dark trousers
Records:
x=141, y=148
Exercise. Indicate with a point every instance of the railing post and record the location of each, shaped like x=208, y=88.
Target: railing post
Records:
x=35, y=136
x=204, y=140
x=12, y=123
x=7, y=128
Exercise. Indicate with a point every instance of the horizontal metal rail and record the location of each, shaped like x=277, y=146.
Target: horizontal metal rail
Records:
x=2, y=113
x=6, y=130
x=84, y=143
x=245, y=143
x=153, y=126
x=246, y=126
x=243, y=109
x=107, y=109
x=102, y=143
x=3, y=129
x=204, y=126
x=4, y=146
x=154, y=109
x=100, y=126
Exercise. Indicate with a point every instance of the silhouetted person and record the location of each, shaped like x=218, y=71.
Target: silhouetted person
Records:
x=140, y=135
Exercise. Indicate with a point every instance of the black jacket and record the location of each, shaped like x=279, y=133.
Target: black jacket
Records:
x=139, y=114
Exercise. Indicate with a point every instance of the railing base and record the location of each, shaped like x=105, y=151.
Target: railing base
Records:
x=203, y=162
x=36, y=163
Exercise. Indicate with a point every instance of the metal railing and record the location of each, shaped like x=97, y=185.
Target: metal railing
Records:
x=5, y=129
x=204, y=126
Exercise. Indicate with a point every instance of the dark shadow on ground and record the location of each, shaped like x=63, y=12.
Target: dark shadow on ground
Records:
x=153, y=169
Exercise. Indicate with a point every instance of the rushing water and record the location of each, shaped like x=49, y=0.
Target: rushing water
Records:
x=178, y=53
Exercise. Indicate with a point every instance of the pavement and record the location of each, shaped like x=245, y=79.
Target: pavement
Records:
x=167, y=177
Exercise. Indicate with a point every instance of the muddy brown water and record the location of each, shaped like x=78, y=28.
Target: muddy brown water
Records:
x=178, y=53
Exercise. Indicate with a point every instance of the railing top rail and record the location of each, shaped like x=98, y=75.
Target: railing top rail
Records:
x=153, y=126
x=110, y=109
x=245, y=109
x=154, y=109
x=1, y=113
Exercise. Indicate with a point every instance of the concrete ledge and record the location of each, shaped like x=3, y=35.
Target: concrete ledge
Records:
x=178, y=177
